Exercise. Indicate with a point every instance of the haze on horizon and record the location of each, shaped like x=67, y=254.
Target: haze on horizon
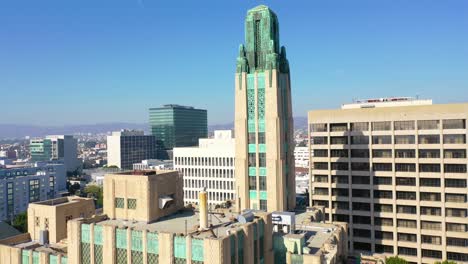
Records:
x=87, y=62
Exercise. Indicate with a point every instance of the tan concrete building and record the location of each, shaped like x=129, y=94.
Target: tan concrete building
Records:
x=51, y=218
x=53, y=215
x=142, y=195
x=264, y=165
x=397, y=173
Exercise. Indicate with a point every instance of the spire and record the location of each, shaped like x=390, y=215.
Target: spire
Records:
x=262, y=49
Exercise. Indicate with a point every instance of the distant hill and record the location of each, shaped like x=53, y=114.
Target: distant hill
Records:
x=21, y=131
x=10, y=131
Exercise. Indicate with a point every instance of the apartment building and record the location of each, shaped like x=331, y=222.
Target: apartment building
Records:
x=210, y=166
x=21, y=185
x=396, y=171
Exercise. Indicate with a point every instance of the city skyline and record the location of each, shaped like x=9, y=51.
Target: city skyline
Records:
x=360, y=49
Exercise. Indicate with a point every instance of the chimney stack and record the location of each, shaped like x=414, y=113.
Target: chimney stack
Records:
x=203, y=203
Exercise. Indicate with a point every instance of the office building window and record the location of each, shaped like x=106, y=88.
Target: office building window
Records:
x=359, y=153
x=382, y=167
x=406, y=195
x=406, y=223
x=455, y=183
x=404, y=125
x=357, y=232
x=381, y=126
x=430, y=225
x=456, y=227
x=252, y=160
x=320, y=166
x=455, y=153
x=455, y=168
x=405, y=153
x=407, y=237
x=340, y=192
x=455, y=139
x=361, y=207
x=382, y=153
x=429, y=167
x=383, y=249
x=429, y=196
x=429, y=182
x=320, y=178
x=263, y=183
x=426, y=253
x=338, y=140
x=252, y=138
x=429, y=153
x=407, y=251
x=429, y=139
x=381, y=194
x=457, y=242
x=384, y=208
x=362, y=246
x=430, y=211
x=360, y=126
x=381, y=139
x=340, y=179
x=360, y=140
x=320, y=153
x=383, y=221
x=405, y=139
x=406, y=209
x=318, y=140
x=262, y=159
x=405, y=167
x=427, y=239
x=339, y=166
x=340, y=205
x=454, y=124
x=455, y=198
x=382, y=180
x=428, y=124
x=361, y=193
x=131, y=203
x=360, y=166
x=339, y=153
x=338, y=127
x=456, y=212
x=318, y=128
x=360, y=179
x=252, y=183
x=320, y=191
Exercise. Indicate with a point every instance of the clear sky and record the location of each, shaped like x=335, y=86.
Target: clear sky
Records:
x=92, y=61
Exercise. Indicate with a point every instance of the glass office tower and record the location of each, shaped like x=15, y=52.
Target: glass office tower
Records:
x=177, y=126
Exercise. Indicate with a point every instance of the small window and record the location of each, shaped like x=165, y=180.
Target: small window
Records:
x=119, y=202
x=131, y=203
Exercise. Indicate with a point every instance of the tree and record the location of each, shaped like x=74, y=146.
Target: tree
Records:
x=20, y=222
x=445, y=262
x=395, y=260
x=96, y=192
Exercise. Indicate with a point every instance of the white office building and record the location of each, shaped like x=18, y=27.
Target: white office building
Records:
x=209, y=165
x=22, y=185
x=154, y=164
x=301, y=157
x=126, y=147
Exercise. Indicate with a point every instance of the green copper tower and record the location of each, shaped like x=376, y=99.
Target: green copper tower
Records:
x=265, y=173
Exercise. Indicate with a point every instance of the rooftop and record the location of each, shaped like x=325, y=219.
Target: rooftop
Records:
x=62, y=201
x=183, y=222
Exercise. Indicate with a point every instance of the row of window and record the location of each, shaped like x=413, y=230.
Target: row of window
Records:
x=402, y=223
x=400, y=195
x=388, y=153
x=204, y=161
x=405, y=181
x=427, y=253
x=387, y=125
x=401, y=209
x=207, y=172
x=212, y=196
x=399, y=167
x=210, y=184
x=387, y=140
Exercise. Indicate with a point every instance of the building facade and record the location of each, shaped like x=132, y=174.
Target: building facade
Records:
x=126, y=147
x=62, y=148
x=27, y=184
x=397, y=174
x=263, y=117
x=301, y=157
x=177, y=126
x=210, y=166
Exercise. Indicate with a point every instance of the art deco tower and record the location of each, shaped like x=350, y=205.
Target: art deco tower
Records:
x=263, y=120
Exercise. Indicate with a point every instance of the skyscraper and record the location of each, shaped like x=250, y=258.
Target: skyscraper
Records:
x=177, y=126
x=263, y=120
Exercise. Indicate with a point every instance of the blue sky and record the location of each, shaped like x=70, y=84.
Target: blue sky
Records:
x=91, y=61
